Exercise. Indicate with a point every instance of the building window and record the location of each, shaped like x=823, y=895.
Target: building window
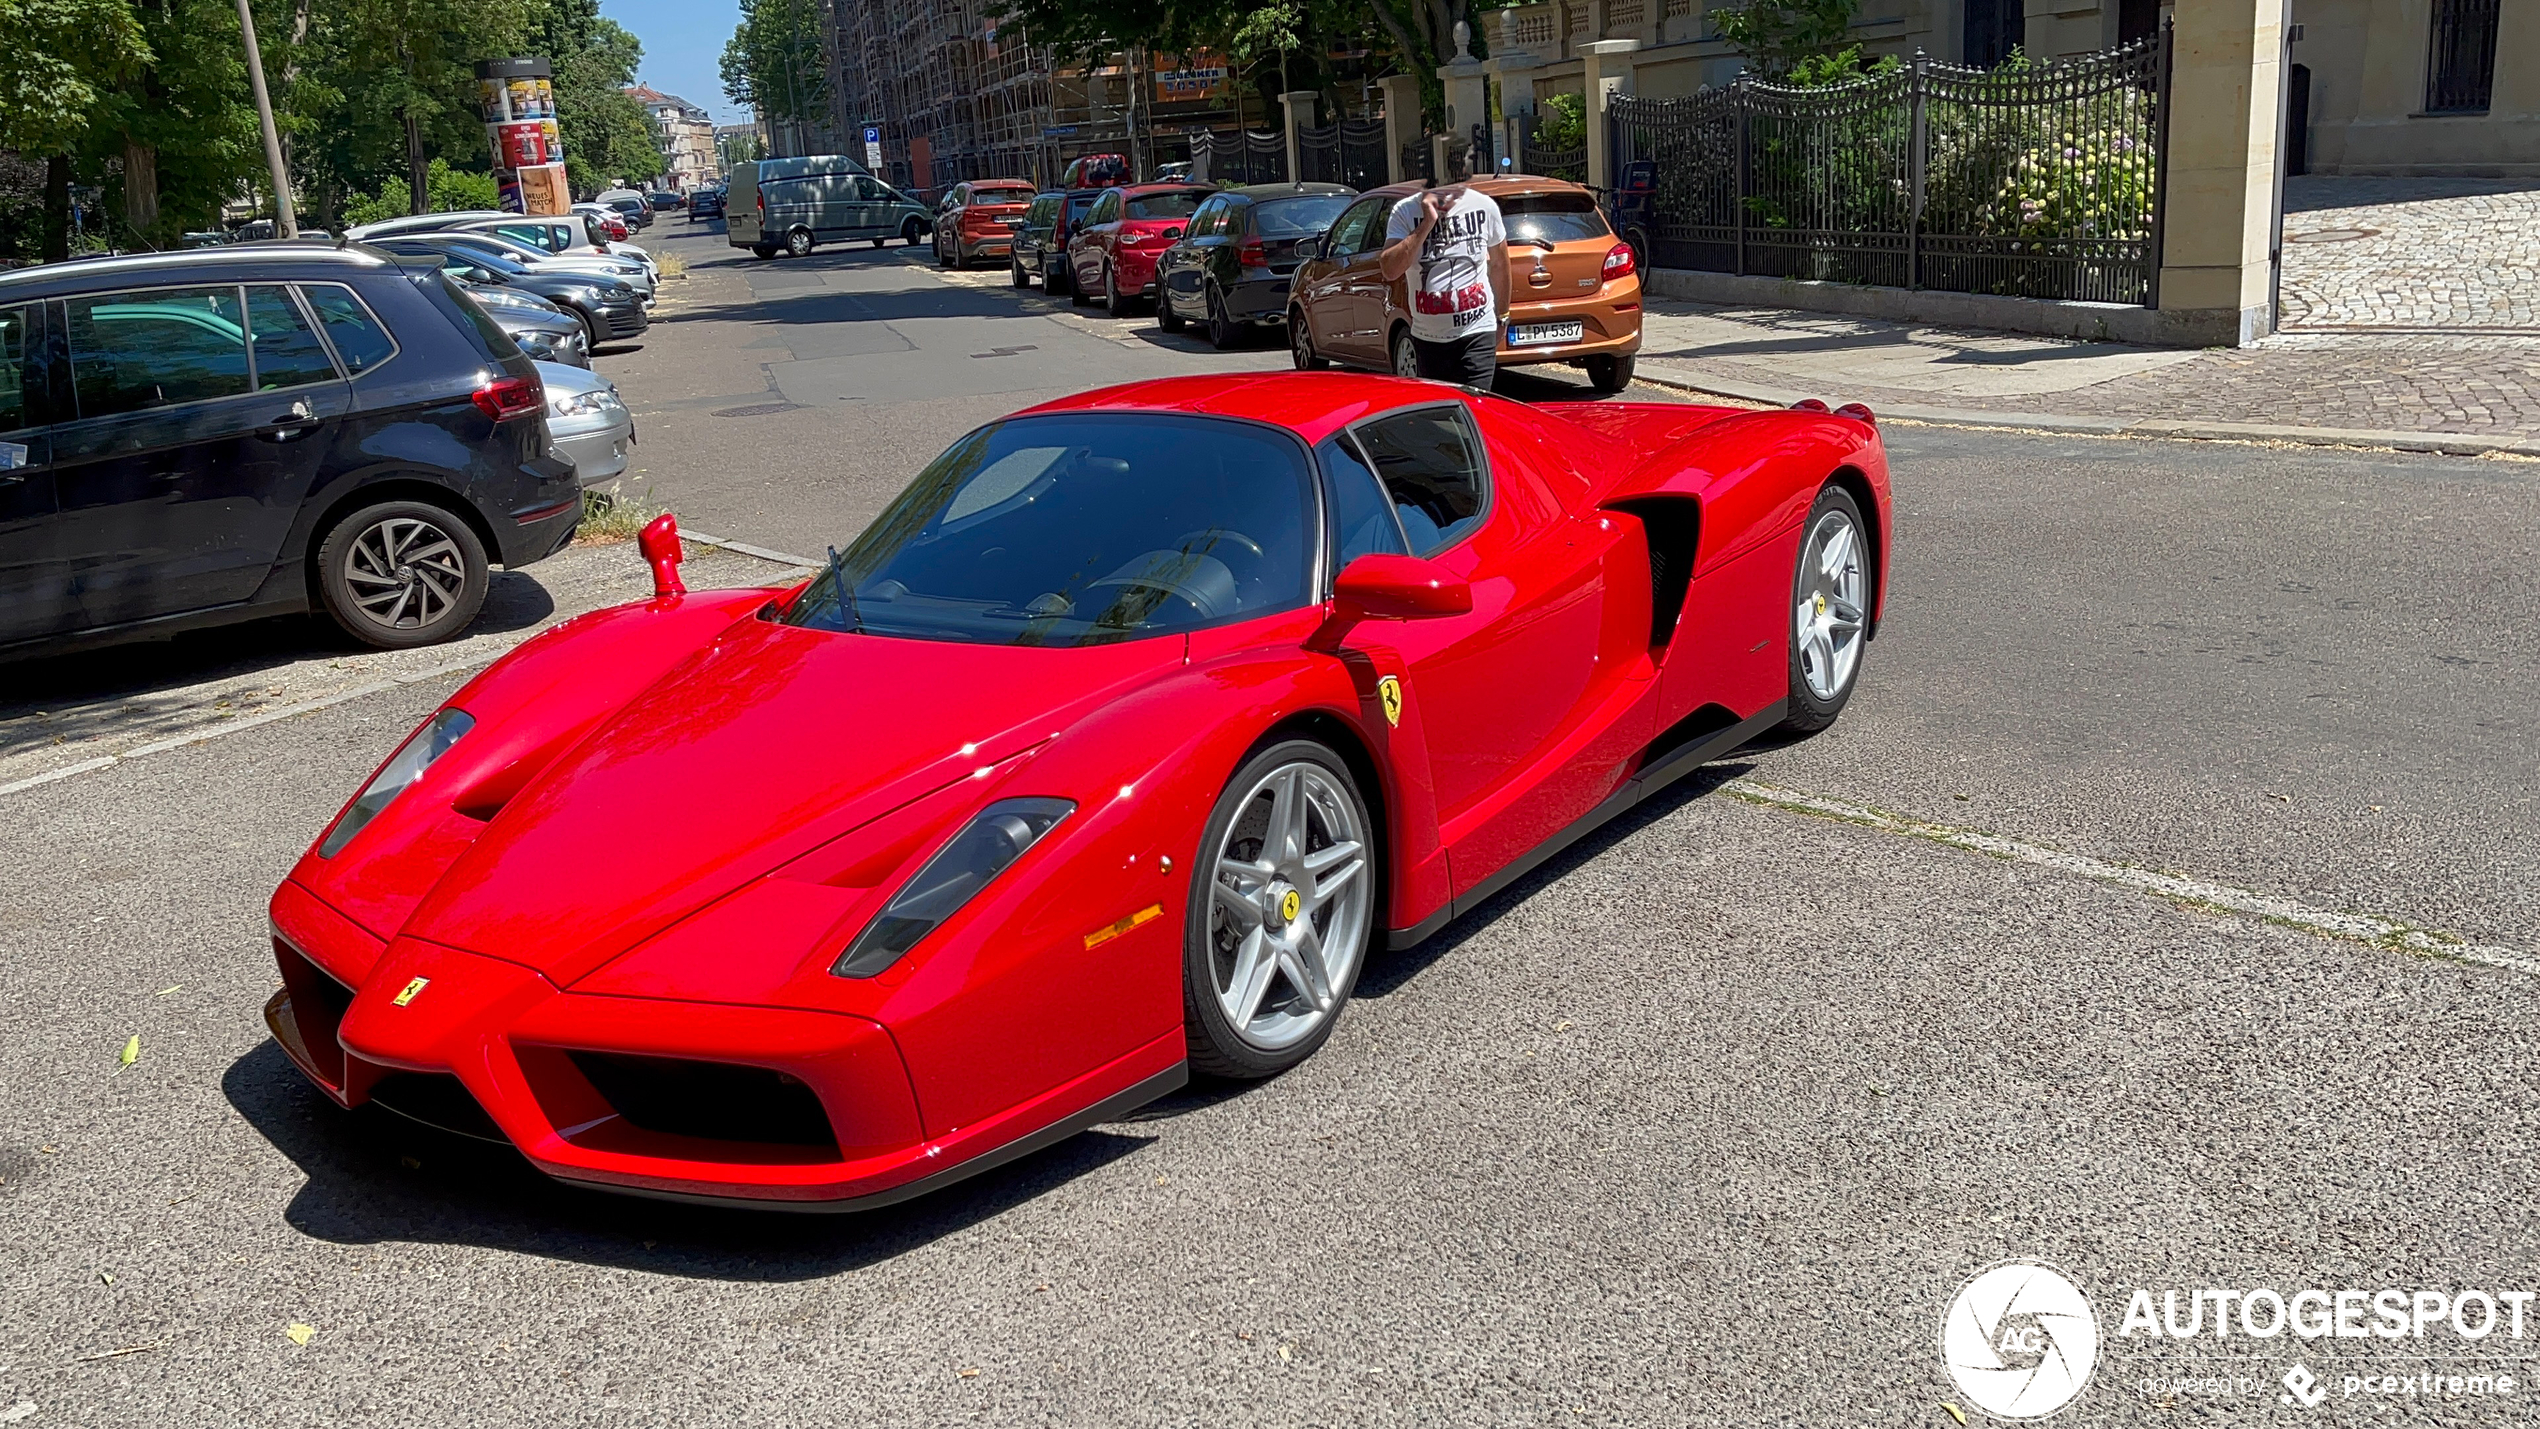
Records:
x=2460, y=67
x=1994, y=28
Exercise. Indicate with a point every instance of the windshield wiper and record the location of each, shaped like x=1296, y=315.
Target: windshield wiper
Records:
x=843, y=595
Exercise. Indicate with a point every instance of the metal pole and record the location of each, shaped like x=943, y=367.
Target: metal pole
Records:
x=1738, y=199
x=1915, y=158
x=286, y=222
x=2160, y=166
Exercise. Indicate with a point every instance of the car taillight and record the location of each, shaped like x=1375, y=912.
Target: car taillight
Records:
x=1618, y=262
x=507, y=397
x=1251, y=256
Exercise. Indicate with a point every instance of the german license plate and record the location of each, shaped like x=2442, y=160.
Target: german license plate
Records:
x=1537, y=334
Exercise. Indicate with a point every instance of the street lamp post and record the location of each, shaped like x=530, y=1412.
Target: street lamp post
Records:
x=286, y=223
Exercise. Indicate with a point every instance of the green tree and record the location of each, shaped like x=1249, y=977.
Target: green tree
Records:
x=446, y=189
x=57, y=60
x=385, y=86
x=177, y=139
x=1783, y=38
x=774, y=61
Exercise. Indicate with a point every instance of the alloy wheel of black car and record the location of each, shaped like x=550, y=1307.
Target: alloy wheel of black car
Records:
x=1222, y=332
x=592, y=327
x=1167, y=316
x=1021, y=278
x=402, y=574
x=798, y=243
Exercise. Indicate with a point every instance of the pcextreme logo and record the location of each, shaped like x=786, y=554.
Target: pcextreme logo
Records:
x=2020, y=1340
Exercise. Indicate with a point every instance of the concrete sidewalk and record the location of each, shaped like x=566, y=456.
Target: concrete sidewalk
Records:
x=2468, y=393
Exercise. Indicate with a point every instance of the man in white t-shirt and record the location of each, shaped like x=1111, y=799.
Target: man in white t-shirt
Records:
x=1454, y=247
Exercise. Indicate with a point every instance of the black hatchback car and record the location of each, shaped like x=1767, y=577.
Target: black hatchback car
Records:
x=195, y=438
x=1231, y=266
x=1040, y=242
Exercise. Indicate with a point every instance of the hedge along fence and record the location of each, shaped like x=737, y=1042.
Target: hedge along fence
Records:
x=2038, y=181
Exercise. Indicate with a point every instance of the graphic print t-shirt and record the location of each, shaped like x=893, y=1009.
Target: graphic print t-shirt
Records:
x=1450, y=282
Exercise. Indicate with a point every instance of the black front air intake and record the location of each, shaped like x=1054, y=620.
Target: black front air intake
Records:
x=714, y=1101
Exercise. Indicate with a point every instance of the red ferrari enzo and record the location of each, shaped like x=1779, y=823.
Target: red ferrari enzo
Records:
x=1107, y=753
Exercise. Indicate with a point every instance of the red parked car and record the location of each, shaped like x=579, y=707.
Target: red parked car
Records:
x=977, y=220
x=1113, y=252
x=1109, y=752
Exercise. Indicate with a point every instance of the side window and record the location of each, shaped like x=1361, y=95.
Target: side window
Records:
x=533, y=234
x=358, y=337
x=1349, y=231
x=1204, y=221
x=1106, y=208
x=16, y=368
x=871, y=189
x=1362, y=518
x=1431, y=465
x=288, y=352
x=133, y=351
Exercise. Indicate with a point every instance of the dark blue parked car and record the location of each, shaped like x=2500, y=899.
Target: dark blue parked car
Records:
x=194, y=438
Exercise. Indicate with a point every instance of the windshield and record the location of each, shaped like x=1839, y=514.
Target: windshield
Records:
x=1000, y=193
x=1080, y=530
x=459, y=253
x=1299, y=217
x=1177, y=205
x=1557, y=218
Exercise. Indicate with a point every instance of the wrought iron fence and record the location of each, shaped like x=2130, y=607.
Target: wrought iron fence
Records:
x=1535, y=157
x=1350, y=152
x=2029, y=180
x=1231, y=159
x=2460, y=60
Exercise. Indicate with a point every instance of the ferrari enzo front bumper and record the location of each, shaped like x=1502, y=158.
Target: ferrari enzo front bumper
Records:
x=778, y=1108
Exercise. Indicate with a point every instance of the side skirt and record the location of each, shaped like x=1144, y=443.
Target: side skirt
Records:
x=1669, y=768
x=1110, y=1108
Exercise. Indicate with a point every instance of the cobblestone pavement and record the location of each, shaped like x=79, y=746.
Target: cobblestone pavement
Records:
x=2411, y=255
x=2472, y=384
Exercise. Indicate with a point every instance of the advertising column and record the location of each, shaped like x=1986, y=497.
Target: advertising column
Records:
x=517, y=98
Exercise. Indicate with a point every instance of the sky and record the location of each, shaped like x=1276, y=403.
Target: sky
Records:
x=683, y=45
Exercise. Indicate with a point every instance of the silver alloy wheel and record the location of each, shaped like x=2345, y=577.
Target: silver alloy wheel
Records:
x=1406, y=358
x=1288, y=921
x=405, y=573
x=1300, y=344
x=1832, y=605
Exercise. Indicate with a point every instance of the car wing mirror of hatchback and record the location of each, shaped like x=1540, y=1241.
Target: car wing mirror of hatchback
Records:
x=1172, y=233
x=1398, y=588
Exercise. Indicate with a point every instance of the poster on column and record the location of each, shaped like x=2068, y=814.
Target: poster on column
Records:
x=543, y=191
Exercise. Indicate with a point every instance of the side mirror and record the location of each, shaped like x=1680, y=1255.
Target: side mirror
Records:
x=1172, y=233
x=660, y=545
x=1400, y=588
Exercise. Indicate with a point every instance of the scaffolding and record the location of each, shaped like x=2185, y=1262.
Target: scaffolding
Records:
x=957, y=96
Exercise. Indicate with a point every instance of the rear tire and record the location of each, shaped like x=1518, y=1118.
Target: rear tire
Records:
x=1223, y=333
x=1610, y=374
x=1294, y=974
x=402, y=574
x=1831, y=587
x=764, y=251
x=798, y=243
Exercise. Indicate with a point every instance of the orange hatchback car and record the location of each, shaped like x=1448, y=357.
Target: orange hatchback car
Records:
x=1577, y=298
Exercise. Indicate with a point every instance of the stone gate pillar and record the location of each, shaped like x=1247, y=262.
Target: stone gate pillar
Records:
x=2218, y=204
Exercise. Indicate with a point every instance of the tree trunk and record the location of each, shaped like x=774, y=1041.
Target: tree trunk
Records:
x=419, y=187
x=140, y=188
x=57, y=208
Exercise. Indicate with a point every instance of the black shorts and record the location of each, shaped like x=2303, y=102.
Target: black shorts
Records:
x=1471, y=361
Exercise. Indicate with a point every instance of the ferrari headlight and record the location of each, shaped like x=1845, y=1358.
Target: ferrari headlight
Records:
x=982, y=850
x=404, y=767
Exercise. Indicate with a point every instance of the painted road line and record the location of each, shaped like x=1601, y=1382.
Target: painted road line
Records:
x=2359, y=927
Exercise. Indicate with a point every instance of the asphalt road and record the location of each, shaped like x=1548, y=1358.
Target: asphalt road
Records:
x=1706, y=1122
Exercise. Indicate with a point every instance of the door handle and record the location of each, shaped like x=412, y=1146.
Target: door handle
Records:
x=297, y=422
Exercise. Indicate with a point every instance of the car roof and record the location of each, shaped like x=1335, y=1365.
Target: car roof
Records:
x=1496, y=186
x=282, y=259
x=1257, y=192
x=1311, y=404
x=1169, y=186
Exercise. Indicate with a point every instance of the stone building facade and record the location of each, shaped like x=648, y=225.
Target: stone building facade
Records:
x=686, y=135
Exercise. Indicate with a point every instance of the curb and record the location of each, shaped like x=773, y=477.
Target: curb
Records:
x=2439, y=443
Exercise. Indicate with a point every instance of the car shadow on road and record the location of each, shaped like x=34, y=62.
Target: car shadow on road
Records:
x=111, y=679
x=374, y=1177
x=1389, y=972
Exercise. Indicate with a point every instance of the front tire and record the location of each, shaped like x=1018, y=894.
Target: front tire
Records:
x=1282, y=913
x=798, y=243
x=1167, y=316
x=1015, y=271
x=911, y=231
x=402, y=574
x=1301, y=344
x=1829, y=610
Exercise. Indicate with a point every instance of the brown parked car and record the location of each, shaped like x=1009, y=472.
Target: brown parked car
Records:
x=1577, y=296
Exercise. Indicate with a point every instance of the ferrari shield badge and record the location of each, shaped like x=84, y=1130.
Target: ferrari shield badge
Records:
x=1389, y=695
x=408, y=993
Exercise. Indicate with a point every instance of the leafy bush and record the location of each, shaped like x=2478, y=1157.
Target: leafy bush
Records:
x=446, y=189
